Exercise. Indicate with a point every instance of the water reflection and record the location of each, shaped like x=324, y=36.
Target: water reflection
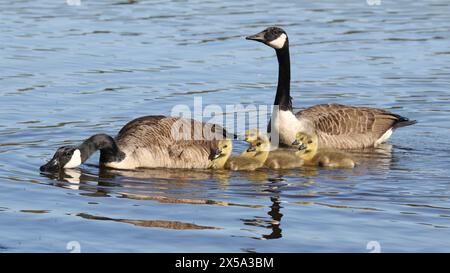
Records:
x=189, y=186
x=336, y=206
x=148, y=223
x=138, y=58
x=127, y=2
x=273, y=224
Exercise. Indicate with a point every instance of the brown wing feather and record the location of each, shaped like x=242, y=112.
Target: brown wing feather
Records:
x=157, y=135
x=343, y=126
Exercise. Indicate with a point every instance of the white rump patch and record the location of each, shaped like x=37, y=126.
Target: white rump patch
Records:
x=384, y=137
x=278, y=42
x=75, y=161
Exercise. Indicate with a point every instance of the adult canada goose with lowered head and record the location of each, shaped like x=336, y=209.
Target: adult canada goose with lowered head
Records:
x=150, y=142
x=337, y=125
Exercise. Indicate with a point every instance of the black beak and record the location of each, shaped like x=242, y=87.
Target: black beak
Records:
x=251, y=149
x=214, y=154
x=259, y=37
x=52, y=165
x=300, y=146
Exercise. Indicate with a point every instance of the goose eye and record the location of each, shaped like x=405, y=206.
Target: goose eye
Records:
x=225, y=146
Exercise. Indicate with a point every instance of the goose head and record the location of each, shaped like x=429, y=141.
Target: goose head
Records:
x=65, y=158
x=260, y=144
x=219, y=155
x=223, y=149
x=252, y=135
x=274, y=37
x=307, y=145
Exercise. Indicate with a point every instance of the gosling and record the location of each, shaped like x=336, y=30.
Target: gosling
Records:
x=277, y=159
x=313, y=156
x=219, y=156
x=249, y=160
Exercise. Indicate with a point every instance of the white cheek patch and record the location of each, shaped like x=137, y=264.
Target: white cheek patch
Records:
x=278, y=42
x=75, y=161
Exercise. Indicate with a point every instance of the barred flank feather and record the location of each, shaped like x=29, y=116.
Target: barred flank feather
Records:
x=170, y=142
x=348, y=127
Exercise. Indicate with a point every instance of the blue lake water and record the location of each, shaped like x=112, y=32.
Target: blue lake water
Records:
x=68, y=72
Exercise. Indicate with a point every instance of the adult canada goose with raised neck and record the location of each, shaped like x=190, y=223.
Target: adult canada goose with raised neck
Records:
x=149, y=142
x=337, y=125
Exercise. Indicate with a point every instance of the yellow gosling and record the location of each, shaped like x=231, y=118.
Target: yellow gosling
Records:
x=277, y=159
x=221, y=154
x=283, y=159
x=313, y=156
x=252, y=158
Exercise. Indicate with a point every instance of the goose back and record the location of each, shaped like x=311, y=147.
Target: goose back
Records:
x=170, y=142
x=349, y=127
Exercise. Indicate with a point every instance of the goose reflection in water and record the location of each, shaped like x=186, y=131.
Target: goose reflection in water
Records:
x=191, y=186
x=273, y=224
x=148, y=223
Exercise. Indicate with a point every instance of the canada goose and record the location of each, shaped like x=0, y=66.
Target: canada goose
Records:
x=277, y=159
x=312, y=156
x=249, y=160
x=150, y=141
x=337, y=126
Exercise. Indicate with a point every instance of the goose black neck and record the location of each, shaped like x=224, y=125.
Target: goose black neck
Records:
x=283, y=96
x=109, y=151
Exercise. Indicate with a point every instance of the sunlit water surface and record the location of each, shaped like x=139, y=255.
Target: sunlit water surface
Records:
x=68, y=72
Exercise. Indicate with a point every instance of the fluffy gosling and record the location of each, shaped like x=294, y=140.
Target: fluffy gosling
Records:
x=313, y=156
